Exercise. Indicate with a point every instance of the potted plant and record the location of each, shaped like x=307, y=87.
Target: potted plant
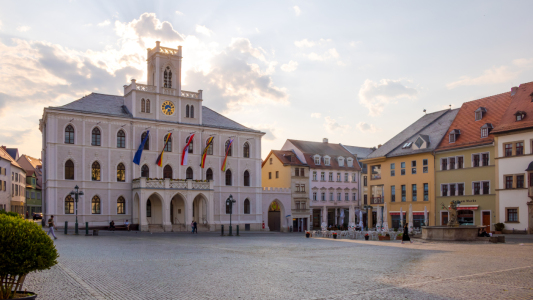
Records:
x=366, y=237
x=399, y=236
x=334, y=235
x=25, y=248
x=499, y=228
x=307, y=234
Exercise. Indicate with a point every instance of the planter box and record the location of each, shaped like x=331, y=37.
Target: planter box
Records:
x=384, y=238
x=366, y=238
x=307, y=235
x=398, y=238
x=334, y=237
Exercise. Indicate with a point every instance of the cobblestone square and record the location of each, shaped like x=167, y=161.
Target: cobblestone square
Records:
x=131, y=265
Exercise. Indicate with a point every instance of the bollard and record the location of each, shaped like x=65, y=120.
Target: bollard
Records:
x=66, y=227
x=230, y=234
x=86, y=228
x=237, y=230
x=221, y=230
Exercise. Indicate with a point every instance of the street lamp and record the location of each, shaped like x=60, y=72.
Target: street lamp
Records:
x=367, y=207
x=76, y=193
x=229, y=202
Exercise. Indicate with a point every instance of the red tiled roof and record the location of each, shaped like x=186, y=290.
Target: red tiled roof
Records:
x=470, y=129
x=284, y=158
x=521, y=101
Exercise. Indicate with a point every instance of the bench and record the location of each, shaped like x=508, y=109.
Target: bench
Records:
x=123, y=227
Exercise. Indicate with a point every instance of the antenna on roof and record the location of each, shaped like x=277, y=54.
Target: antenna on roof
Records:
x=424, y=111
x=450, y=106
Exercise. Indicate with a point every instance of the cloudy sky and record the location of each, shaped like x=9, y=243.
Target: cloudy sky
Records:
x=356, y=72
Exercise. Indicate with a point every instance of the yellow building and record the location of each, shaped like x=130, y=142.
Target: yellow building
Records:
x=402, y=173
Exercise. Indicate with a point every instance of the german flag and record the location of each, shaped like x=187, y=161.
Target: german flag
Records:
x=204, y=154
x=159, y=161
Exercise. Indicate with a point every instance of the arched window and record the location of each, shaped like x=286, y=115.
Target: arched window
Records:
x=209, y=174
x=95, y=205
x=121, y=205
x=147, y=144
x=95, y=171
x=167, y=172
x=69, y=205
x=228, y=177
x=247, y=207
x=143, y=105
x=188, y=174
x=210, y=149
x=145, y=171
x=121, y=139
x=187, y=111
x=121, y=173
x=192, y=111
x=246, y=178
x=96, y=137
x=147, y=106
x=69, y=170
x=246, y=150
x=230, y=147
x=168, y=78
x=191, y=145
x=69, y=135
x=168, y=145
x=148, y=208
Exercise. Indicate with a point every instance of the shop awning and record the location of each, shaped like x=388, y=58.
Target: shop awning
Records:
x=415, y=213
x=467, y=207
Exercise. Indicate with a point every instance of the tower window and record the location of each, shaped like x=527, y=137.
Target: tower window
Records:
x=168, y=78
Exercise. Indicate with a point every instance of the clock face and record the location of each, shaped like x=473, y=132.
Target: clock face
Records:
x=168, y=108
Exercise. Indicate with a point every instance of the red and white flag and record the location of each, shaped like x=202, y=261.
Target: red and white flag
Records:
x=186, y=150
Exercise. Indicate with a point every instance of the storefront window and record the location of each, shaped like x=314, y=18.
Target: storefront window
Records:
x=418, y=220
x=465, y=217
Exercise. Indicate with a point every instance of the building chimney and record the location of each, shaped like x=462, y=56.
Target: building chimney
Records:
x=379, y=146
x=325, y=140
x=513, y=90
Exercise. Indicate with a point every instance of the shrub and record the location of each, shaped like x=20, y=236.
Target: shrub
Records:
x=10, y=213
x=24, y=248
x=499, y=226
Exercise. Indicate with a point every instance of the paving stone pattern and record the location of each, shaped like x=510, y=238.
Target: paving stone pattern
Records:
x=131, y=265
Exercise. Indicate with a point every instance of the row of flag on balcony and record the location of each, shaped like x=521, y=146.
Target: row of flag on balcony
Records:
x=185, y=152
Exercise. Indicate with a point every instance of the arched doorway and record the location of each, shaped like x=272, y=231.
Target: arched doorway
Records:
x=274, y=216
x=199, y=211
x=154, y=212
x=177, y=213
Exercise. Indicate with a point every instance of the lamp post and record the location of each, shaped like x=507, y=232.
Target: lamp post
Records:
x=367, y=207
x=229, y=202
x=76, y=193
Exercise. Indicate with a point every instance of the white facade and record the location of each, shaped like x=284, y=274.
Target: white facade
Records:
x=513, y=166
x=169, y=204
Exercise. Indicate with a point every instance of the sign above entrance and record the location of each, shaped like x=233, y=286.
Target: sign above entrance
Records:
x=467, y=207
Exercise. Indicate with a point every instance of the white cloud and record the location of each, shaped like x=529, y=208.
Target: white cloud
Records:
x=179, y=13
x=307, y=43
x=331, y=53
x=332, y=125
x=490, y=76
x=355, y=43
x=297, y=10
x=290, y=67
x=0, y=24
x=104, y=23
x=523, y=62
x=366, y=128
x=316, y=115
x=204, y=30
x=244, y=46
x=23, y=28
x=257, y=30
x=376, y=95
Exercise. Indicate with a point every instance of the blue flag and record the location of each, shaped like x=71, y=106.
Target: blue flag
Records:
x=137, y=157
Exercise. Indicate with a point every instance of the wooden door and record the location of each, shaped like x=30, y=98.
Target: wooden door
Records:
x=444, y=216
x=274, y=220
x=486, y=220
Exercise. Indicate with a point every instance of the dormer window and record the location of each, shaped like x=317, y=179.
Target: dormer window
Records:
x=341, y=161
x=317, y=160
x=520, y=115
x=407, y=145
x=326, y=160
x=480, y=112
x=454, y=134
x=350, y=162
x=485, y=130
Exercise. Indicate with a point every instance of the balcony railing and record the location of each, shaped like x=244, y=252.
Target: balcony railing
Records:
x=376, y=200
x=177, y=184
x=134, y=86
x=300, y=211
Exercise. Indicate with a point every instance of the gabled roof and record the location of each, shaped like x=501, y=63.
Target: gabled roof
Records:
x=284, y=158
x=470, y=129
x=432, y=126
x=114, y=106
x=6, y=156
x=309, y=149
x=521, y=101
x=13, y=152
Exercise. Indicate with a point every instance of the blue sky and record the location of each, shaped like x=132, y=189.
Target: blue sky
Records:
x=357, y=72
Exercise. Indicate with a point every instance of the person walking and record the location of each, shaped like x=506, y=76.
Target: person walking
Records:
x=405, y=236
x=192, y=226
x=51, y=226
x=195, y=227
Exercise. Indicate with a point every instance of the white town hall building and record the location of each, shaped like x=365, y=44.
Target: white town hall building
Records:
x=91, y=143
